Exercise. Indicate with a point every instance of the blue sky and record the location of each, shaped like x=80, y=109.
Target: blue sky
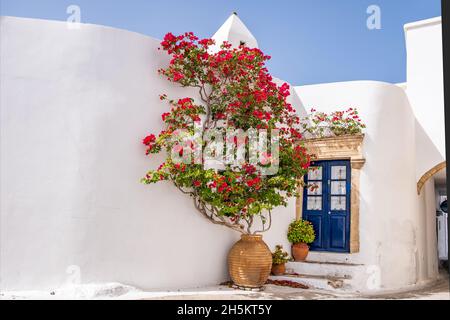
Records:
x=310, y=41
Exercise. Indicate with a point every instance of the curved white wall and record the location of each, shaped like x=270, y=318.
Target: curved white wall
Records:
x=75, y=105
x=391, y=230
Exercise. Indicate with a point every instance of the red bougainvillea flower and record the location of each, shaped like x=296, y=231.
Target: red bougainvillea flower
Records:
x=220, y=116
x=249, y=169
x=254, y=182
x=197, y=183
x=165, y=115
x=149, y=140
x=222, y=187
x=177, y=76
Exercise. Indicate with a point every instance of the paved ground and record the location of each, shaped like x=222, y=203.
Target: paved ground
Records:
x=436, y=291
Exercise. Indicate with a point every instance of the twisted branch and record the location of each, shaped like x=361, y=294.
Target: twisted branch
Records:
x=264, y=229
x=211, y=212
x=213, y=217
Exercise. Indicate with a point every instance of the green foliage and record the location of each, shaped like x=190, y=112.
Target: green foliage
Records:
x=301, y=231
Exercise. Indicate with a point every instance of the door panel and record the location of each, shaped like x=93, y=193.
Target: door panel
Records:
x=337, y=230
x=316, y=220
x=326, y=204
x=314, y=202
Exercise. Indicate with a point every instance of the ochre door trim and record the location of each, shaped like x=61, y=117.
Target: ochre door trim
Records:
x=348, y=147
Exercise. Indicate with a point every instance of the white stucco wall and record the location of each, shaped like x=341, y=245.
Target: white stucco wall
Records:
x=75, y=105
x=392, y=232
x=425, y=90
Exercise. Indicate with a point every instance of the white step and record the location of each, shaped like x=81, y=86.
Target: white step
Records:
x=328, y=275
x=317, y=282
x=332, y=257
x=326, y=269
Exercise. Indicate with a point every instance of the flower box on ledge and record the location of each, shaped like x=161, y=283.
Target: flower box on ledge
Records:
x=337, y=147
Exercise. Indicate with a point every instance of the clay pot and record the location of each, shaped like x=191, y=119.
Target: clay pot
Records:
x=250, y=262
x=300, y=251
x=278, y=269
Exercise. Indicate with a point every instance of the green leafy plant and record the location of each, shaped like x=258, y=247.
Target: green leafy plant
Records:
x=279, y=256
x=301, y=231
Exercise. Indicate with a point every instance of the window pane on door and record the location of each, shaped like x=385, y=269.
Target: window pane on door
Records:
x=314, y=203
x=338, y=203
x=338, y=187
x=315, y=173
x=315, y=188
x=338, y=173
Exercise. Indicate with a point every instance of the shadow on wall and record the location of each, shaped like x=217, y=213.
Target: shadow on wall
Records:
x=149, y=236
x=427, y=154
x=298, y=104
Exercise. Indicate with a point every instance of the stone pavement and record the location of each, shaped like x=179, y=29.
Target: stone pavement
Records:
x=436, y=291
x=112, y=291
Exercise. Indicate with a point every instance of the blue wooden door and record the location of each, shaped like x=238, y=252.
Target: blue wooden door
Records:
x=326, y=204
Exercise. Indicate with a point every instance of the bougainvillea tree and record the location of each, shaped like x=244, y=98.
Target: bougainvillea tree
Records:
x=235, y=91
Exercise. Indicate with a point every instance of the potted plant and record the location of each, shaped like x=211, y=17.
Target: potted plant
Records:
x=233, y=95
x=279, y=259
x=300, y=234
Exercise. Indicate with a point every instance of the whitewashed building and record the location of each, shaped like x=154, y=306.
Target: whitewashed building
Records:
x=74, y=105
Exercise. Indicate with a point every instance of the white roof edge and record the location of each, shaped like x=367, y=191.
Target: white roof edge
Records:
x=82, y=25
x=403, y=85
x=377, y=82
x=422, y=23
x=234, y=30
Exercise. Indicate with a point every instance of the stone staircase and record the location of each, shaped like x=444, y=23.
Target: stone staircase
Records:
x=326, y=275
